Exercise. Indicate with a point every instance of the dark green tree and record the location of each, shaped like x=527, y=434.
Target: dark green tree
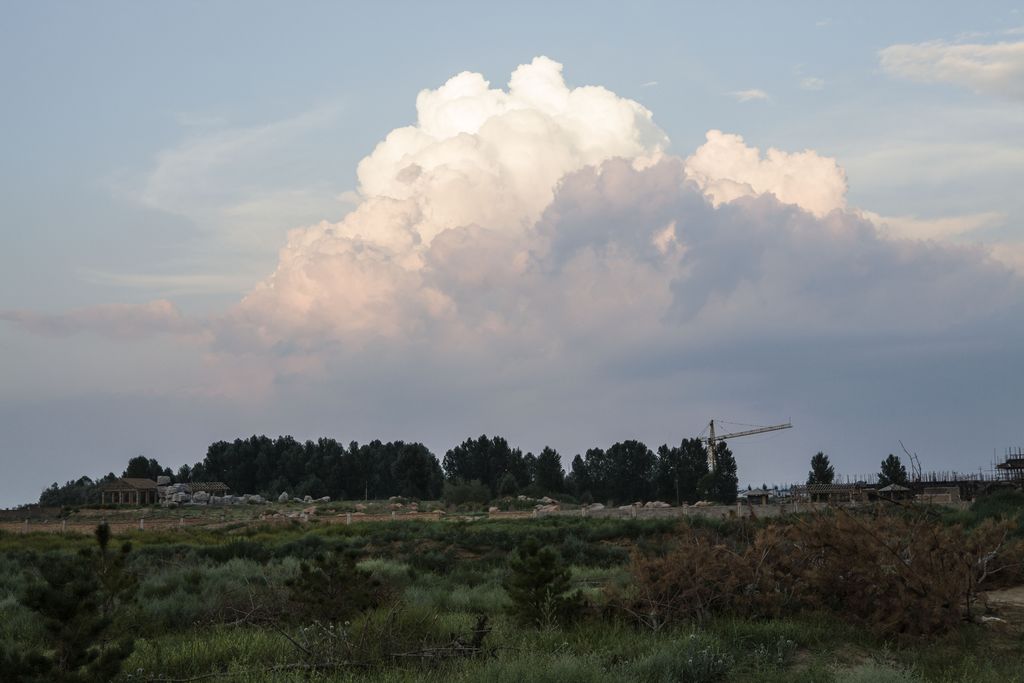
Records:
x=74, y=598
x=720, y=485
x=539, y=586
x=822, y=472
x=578, y=481
x=142, y=468
x=332, y=588
x=549, y=475
x=507, y=486
x=892, y=472
x=630, y=473
x=679, y=471
x=486, y=460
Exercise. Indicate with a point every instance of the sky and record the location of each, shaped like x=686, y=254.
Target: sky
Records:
x=568, y=224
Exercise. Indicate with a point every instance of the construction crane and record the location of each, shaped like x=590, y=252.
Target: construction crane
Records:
x=711, y=439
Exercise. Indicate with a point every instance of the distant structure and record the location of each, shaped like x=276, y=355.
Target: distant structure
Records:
x=711, y=440
x=1012, y=466
x=129, y=491
x=135, y=491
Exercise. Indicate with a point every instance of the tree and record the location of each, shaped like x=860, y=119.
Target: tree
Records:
x=822, y=472
x=539, y=584
x=578, y=480
x=486, y=460
x=630, y=471
x=507, y=486
x=142, y=468
x=893, y=472
x=679, y=470
x=74, y=597
x=549, y=475
x=332, y=588
x=720, y=485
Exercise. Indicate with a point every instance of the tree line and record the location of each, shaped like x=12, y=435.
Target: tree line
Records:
x=488, y=467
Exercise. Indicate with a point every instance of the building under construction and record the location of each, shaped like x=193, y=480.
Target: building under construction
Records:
x=1011, y=468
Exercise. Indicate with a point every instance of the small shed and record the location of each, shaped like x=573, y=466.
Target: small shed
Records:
x=895, y=492
x=129, y=491
x=214, y=488
x=757, y=496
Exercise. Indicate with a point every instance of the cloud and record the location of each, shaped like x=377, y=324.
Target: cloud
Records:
x=726, y=168
x=531, y=261
x=527, y=225
x=170, y=283
x=944, y=228
x=481, y=164
x=991, y=69
x=649, y=84
x=751, y=95
x=812, y=83
x=122, y=321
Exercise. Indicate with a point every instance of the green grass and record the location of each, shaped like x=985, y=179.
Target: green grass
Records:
x=194, y=583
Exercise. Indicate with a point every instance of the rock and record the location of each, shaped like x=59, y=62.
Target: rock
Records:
x=216, y=500
x=625, y=507
x=255, y=499
x=595, y=506
x=657, y=504
x=325, y=499
x=307, y=499
x=520, y=497
x=360, y=506
x=550, y=508
x=163, y=480
x=283, y=498
x=180, y=498
x=201, y=497
x=309, y=511
x=639, y=503
x=303, y=517
x=703, y=504
x=493, y=509
x=548, y=501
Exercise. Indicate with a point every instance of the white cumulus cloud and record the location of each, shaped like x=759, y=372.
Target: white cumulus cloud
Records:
x=726, y=168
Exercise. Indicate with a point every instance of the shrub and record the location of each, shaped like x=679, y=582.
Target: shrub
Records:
x=538, y=584
x=74, y=597
x=332, y=588
x=897, y=574
x=463, y=492
x=697, y=658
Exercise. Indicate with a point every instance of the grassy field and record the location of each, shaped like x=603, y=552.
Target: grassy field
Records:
x=226, y=604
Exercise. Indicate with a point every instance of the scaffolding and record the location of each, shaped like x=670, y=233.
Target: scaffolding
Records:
x=1012, y=466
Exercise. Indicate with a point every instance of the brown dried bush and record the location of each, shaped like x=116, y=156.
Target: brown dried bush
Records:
x=897, y=574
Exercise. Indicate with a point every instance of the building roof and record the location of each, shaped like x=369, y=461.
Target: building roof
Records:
x=129, y=483
x=208, y=486
x=891, y=488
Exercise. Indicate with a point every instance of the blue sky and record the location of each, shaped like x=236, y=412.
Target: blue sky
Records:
x=163, y=152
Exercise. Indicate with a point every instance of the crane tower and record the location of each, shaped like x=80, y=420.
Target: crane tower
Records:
x=712, y=439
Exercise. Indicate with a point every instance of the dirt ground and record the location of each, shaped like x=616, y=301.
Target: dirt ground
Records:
x=1006, y=604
